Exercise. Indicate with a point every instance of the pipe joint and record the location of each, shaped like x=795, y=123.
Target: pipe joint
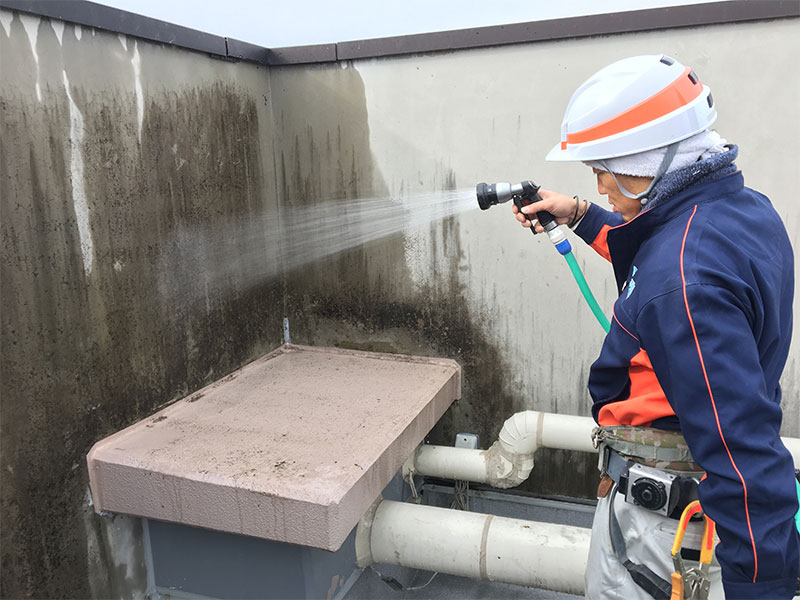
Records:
x=512, y=453
x=364, y=535
x=506, y=469
x=522, y=432
x=509, y=461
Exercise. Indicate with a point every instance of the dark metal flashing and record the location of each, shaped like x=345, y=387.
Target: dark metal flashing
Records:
x=573, y=27
x=246, y=51
x=304, y=54
x=100, y=16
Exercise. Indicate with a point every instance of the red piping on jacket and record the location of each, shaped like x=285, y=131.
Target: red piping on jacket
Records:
x=711, y=396
x=623, y=327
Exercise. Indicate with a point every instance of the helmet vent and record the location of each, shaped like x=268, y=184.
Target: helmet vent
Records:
x=693, y=77
x=710, y=100
x=667, y=60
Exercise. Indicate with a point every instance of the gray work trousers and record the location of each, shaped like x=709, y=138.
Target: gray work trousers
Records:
x=648, y=541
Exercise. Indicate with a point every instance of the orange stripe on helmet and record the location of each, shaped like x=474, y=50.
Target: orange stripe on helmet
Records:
x=677, y=94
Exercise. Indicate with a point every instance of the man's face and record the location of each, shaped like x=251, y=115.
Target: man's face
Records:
x=627, y=207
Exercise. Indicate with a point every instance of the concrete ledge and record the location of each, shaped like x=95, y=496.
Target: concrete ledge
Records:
x=293, y=447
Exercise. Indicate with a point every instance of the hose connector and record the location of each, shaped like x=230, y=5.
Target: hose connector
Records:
x=559, y=239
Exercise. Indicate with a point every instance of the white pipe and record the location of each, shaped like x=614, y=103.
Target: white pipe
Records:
x=479, y=546
x=566, y=432
x=509, y=461
x=449, y=462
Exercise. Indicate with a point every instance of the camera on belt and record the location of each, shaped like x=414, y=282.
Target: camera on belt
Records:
x=652, y=489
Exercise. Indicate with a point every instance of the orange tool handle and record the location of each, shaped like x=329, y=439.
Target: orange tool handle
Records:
x=677, y=587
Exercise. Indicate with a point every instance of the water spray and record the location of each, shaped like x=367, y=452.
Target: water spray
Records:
x=525, y=193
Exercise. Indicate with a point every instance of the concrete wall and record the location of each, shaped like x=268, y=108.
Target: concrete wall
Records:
x=477, y=288
x=112, y=152
x=144, y=194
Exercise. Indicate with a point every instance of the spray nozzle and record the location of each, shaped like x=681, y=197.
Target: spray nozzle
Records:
x=522, y=194
x=490, y=194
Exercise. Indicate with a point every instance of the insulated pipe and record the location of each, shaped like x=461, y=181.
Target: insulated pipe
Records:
x=449, y=462
x=479, y=546
x=566, y=432
x=529, y=430
x=509, y=461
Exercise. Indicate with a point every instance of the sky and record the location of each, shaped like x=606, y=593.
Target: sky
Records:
x=278, y=23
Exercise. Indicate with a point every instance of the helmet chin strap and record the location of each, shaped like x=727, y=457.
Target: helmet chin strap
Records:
x=669, y=155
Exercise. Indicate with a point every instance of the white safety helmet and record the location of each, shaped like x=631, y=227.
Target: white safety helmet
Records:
x=633, y=105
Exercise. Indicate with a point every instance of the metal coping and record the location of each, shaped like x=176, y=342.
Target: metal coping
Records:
x=100, y=16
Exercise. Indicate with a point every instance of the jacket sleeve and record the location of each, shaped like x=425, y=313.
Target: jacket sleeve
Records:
x=594, y=227
x=705, y=357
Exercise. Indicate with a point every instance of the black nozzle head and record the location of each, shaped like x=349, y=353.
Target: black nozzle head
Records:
x=487, y=195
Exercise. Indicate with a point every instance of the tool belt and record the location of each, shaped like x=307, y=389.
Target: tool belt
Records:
x=652, y=469
x=656, y=448
x=656, y=490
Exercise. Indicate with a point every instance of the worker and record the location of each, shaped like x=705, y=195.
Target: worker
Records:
x=686, y=387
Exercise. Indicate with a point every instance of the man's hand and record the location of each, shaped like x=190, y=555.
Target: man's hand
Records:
x=560, y=206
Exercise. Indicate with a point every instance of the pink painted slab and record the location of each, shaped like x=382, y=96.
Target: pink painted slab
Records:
x=293, y=447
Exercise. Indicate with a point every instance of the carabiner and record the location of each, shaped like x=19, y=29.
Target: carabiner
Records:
x=692, y=583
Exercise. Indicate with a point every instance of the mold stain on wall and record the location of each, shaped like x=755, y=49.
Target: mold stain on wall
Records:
x=100, y=334
x=89, y=350
x=365, y=298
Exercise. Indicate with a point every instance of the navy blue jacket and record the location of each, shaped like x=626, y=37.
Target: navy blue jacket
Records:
x=699, y=338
